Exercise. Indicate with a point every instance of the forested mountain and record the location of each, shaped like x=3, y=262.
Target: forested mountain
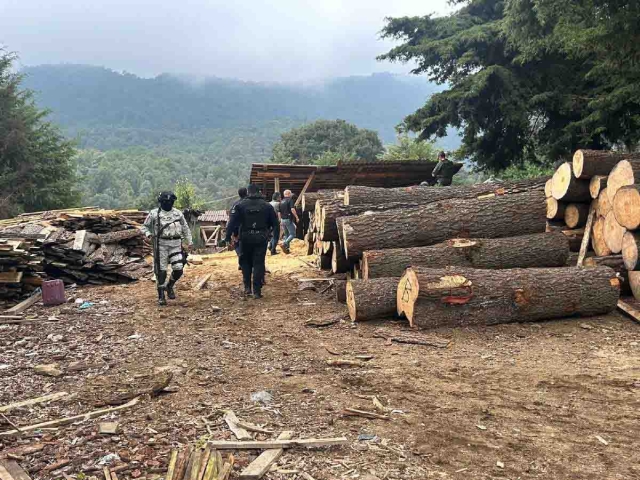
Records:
x=138, y=135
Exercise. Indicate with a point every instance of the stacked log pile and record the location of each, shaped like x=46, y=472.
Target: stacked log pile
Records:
x=83, y=246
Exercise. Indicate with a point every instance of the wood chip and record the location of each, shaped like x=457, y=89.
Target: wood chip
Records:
x=202, y=282
x=363, y=413
x=602, y=440
x=108, y=428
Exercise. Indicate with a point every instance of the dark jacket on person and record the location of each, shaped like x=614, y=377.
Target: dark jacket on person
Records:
x=444, y=171
x=252, y=220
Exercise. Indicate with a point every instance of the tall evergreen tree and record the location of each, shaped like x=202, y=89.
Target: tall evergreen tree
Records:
x=36, y=167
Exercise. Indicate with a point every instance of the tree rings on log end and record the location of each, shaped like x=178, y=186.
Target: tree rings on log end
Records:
x=568, y=188
x=597, y=239
x=407, y=294
x=578, y=163
x=622, y=175
x=630, y=255
x=597, y=184
x=547, y=188
x=555, y=209
x=604, y=205
x=575, y=215
x=613, y=233
x=626, y=206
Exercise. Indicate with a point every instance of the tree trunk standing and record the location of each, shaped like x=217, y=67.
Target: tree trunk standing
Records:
x=334, y=210
x=626, y=207
x=494, y=217
x=458, y=296
x=631, y=250
x=537, y=250
x=568, y=188
x=613, y=233
x=341, y=290
x=589, y=163
x=625, y=173
x=576, y=214
x=547, y=188
x=555, y=209
x=339, y=263
x=358, y=195
x=597, y=238
x=370, y=299
x=597, y=184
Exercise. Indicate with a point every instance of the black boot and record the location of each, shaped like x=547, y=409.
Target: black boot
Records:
x=170, y=291
x=161, y=299
x=247, y=290
x=257, y=294
x=161, y=277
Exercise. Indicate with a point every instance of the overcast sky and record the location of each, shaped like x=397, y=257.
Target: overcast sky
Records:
x=283, y=40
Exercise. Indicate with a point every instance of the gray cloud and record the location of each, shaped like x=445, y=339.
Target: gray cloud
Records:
x=282, y=40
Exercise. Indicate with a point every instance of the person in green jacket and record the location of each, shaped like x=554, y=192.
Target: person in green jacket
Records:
x=444, y=171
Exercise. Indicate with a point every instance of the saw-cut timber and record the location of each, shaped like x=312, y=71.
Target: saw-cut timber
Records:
x=341, y=291
x=613, y=233
x=555, y=209
x=172, y=465
x=69, y=420
x=339, y=263
x=597, y=238
x=584, y=245
x=33, y=401
x=634, y=282
x=597, y=184
x=371, y=299
x=502, y=216
x=547, y=188
x=631, y=250
x=626, y=207
x=183, y=463
x=10, y=470
x=359, y=195
x=604, y=204
x=625, y=173
x=589, y=163
x=269, y=444
x=575, y=215
x=232, y=422
x=261, y=465
x=526, y=251
x=458, y=296
x=566, y=187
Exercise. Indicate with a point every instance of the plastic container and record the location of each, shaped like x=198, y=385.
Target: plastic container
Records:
x=53, y=293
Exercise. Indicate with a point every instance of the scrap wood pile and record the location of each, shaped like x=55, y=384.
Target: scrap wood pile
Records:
x=459, y=255
x=78, y=246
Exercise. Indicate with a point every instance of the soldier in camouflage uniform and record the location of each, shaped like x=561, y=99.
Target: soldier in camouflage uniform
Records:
x=169, y=230
x=444, y=171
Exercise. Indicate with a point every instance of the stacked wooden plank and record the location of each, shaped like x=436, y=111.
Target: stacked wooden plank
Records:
x=82, y=246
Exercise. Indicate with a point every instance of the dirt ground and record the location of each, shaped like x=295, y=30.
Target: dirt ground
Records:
x=552, y=400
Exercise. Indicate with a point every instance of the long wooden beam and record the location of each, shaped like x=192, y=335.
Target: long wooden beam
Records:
x=304, y=189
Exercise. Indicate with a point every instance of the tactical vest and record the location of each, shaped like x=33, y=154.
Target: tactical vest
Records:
x=254, y=222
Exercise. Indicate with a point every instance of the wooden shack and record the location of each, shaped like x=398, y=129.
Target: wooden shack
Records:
x=213, y=225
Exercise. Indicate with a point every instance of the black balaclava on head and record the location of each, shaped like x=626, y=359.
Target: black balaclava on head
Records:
x=166, y=200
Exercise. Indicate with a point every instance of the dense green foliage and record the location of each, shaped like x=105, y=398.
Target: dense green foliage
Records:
x=326, y=139
x=528, y=80
x=138, y=136
x=36, y=168
x=408, y=148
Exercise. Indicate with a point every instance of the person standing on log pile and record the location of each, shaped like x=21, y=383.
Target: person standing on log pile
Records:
x=275, y=203
x=444, y=171
x=287, y=214
x=251, y=221
x=169, y=230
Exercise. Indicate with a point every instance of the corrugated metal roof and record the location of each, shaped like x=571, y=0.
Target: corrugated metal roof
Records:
x=214, y=216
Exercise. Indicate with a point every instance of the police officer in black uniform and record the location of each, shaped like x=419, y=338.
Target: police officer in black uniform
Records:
x=252, y=220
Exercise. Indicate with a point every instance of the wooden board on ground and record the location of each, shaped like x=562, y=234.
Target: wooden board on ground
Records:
x=33, y=401
x=10, y=470
x=261, y=465
x=25, y=304
x=232, y=422
x=269, y=444
x=631, y=307
x=202, y=282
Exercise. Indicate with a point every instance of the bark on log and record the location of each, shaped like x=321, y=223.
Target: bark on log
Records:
x=458, y=296
x=309, y=199
x=537, y=250
x=616, y=263
x=575, y=215
x=547, y=188
x=371, y=299
x=604, y=205
x=358, y=195
x=555, y=226
x=589, y=163
x=494, y=217
x=341, y=291
x=339, y=263
x=626, y=207
x=626, y=172
x=575, y=238
x=597, y=184
x=630, y=250
x=555, y=209
x=568, y=188
x=613, y=233
x=597, y=238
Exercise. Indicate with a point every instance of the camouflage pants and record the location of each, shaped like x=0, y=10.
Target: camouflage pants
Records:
x=170, y=253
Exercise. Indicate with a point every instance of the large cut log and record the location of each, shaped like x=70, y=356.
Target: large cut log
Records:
x=604, y=205
x=615, y=262
x=575, y=215
x=537, y=250
x=370, y=299
x=589, y=163
x=331, y=211
x=358, y=195
x=597, y=238
x=631, y=250
x=626, y=207
x=308, y=202
x=596, y=185
x=458, y=296
x=341, y=291
x=494, y=217
x=339, y=263
x=555, y=209
x=613, y=233
x=568, y=188
x=626, y=172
